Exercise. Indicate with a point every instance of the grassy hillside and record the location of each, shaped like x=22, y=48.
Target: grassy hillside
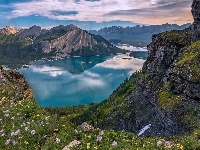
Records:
x=25, y=125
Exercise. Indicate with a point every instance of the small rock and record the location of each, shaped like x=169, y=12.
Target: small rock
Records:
x=71, y=144
x=86, y=127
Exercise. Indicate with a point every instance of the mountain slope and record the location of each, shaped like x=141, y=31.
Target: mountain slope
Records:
x=164, y=94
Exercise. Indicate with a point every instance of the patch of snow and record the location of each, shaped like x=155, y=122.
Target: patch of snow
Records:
x=144, y=129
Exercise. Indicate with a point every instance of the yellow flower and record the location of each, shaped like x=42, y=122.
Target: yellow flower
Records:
x=88, y=145
x=179, y=146
x=26, y=142
x=95, y=147
x=38, y=115
x=89, y=136
x=20, y=137
x=55, y=129
x=63, y=125
x=47, y=123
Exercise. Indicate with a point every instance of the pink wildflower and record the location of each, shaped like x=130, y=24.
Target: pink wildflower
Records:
x=114, y=143
x=168, y=143
x=6, y=115
x=17, y=132
x=26, y=128
x=7, y=142
x=99, y=138
x=33, y=132
x=159, y=143
x=6, y=111
x=14, y=143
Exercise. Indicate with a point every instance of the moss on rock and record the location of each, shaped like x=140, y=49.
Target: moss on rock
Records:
x=167, y=99
x=189, y=63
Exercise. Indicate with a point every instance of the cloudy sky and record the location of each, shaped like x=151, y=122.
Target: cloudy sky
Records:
x=93, y=14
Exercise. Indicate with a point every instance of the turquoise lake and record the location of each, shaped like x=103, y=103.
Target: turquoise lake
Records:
x=78, y=80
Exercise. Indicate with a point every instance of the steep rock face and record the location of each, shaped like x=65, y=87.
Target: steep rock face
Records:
x=173, y=71
x=196, y=11
x=173, y=84
x=9, y=30
x=72, y=41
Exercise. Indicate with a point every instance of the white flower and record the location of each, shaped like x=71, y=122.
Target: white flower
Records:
x=57, y=140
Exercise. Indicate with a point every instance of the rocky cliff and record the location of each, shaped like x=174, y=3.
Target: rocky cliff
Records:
x=164, y=94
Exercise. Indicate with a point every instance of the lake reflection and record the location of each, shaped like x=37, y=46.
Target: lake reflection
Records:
x=81, y=80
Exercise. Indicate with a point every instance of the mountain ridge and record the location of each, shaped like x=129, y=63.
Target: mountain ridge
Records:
x=138, y=35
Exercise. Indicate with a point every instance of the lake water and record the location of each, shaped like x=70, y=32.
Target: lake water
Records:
x=78, y=80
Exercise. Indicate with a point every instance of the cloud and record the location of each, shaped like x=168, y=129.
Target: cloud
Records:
x=132, y=48
x=91, y=74
x=118, y=63
x=143, y=11
x=51, y=71
x=90, y=82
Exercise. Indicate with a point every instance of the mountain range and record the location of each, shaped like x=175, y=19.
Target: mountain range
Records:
x=139, y=36
x=60, y=41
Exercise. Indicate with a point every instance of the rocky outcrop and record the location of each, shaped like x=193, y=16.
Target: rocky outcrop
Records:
x=13, y=87
x=9, y=30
